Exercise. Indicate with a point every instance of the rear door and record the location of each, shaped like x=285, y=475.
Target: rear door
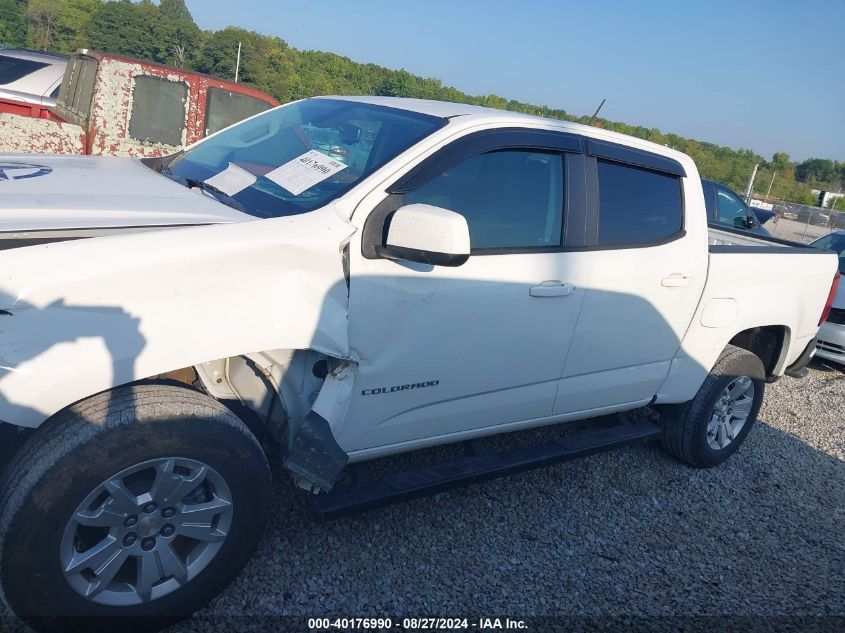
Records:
x=643, y=272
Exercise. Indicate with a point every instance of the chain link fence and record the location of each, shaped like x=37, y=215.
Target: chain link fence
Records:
x=800, y=223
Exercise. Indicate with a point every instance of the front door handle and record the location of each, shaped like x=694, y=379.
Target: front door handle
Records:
x=551, y=289
x=675, y=280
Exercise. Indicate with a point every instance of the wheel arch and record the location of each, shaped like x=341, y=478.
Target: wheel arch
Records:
x=769, y=343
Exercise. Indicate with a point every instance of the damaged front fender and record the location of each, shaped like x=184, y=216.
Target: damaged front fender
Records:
x=89, y=315
x=314, y=455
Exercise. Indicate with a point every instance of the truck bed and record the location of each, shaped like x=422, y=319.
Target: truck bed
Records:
x=769, y=283
x=722, y=236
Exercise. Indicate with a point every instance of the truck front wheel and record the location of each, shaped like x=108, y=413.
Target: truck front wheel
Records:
x=711, y=427
x=142, y=502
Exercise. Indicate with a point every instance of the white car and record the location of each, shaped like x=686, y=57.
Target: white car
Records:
x=449, y=272
x=31, y=76
x=831, y=341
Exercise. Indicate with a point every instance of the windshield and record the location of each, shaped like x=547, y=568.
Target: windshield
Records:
x=834, y=242
x=297, y=158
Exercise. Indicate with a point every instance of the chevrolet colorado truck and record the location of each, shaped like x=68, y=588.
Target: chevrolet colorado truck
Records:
x=337, y=280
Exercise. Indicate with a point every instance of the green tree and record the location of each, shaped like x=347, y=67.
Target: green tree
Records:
x=397, y=84
x=59, y=25
x=816, y=170
x=42, y=18
x=166, y=32
x=220, y=51
x=175, y=10
x=12, y=23
x=129, y=28
x=181, y=37
x=780, y=160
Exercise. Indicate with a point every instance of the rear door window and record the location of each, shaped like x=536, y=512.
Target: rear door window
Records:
x=226, y=108
x=637, y=206
x=12, y=68
x=159, y=108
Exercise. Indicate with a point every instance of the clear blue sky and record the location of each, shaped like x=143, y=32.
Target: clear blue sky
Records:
x=762, y=74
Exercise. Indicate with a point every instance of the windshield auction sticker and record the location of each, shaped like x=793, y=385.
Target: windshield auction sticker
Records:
x=232, y=180
x=303, y=172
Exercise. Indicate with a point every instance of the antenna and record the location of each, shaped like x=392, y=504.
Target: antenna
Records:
x=596, y=113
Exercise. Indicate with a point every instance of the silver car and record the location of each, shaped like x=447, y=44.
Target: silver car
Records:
x=30, y=76
x=831, y=341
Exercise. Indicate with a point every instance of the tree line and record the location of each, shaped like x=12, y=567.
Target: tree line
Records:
x=167, y=33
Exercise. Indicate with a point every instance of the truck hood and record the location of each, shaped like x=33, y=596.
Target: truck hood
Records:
x=50, y=192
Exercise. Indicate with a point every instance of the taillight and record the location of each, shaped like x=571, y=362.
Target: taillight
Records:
x=827, y=306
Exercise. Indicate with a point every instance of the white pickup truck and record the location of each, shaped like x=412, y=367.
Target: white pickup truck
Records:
x=372, y=276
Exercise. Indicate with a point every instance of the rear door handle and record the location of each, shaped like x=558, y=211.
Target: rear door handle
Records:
x=551, y=289
x=675, y=280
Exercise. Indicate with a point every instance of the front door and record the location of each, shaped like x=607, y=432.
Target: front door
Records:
x=449, y=351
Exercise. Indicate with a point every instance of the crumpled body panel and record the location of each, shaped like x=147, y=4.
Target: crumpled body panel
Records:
x=81, y=317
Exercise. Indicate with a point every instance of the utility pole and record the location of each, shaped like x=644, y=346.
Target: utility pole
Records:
x=770, y=186
x=238, y=64
x=750, y=189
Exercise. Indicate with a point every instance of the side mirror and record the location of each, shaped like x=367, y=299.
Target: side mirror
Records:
x=427, y=234
x=742, y=222
x=752, y=221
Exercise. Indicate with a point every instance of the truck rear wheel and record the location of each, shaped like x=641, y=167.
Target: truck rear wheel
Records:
x=140, y=503
x=711, y=427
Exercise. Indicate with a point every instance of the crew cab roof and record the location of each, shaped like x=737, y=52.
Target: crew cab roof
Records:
x=463, y=112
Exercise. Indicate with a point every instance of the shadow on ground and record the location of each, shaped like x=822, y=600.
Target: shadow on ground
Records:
x=630, y=533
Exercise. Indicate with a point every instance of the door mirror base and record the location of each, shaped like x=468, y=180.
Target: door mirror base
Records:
x=421, y=256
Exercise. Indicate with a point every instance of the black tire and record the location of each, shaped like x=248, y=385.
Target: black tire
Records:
x=685, y=426
x=89, y=443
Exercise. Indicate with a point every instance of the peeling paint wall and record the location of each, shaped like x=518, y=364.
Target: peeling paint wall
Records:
x=112, y=109
x=24, y=134
x=113, y=99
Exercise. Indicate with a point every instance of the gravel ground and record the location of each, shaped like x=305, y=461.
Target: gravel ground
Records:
x=628, y=533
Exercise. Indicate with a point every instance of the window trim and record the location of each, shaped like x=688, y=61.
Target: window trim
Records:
x=636, y=157
x=581, y=199
x=482, y=143
x=568, y=146
x=595, y=209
